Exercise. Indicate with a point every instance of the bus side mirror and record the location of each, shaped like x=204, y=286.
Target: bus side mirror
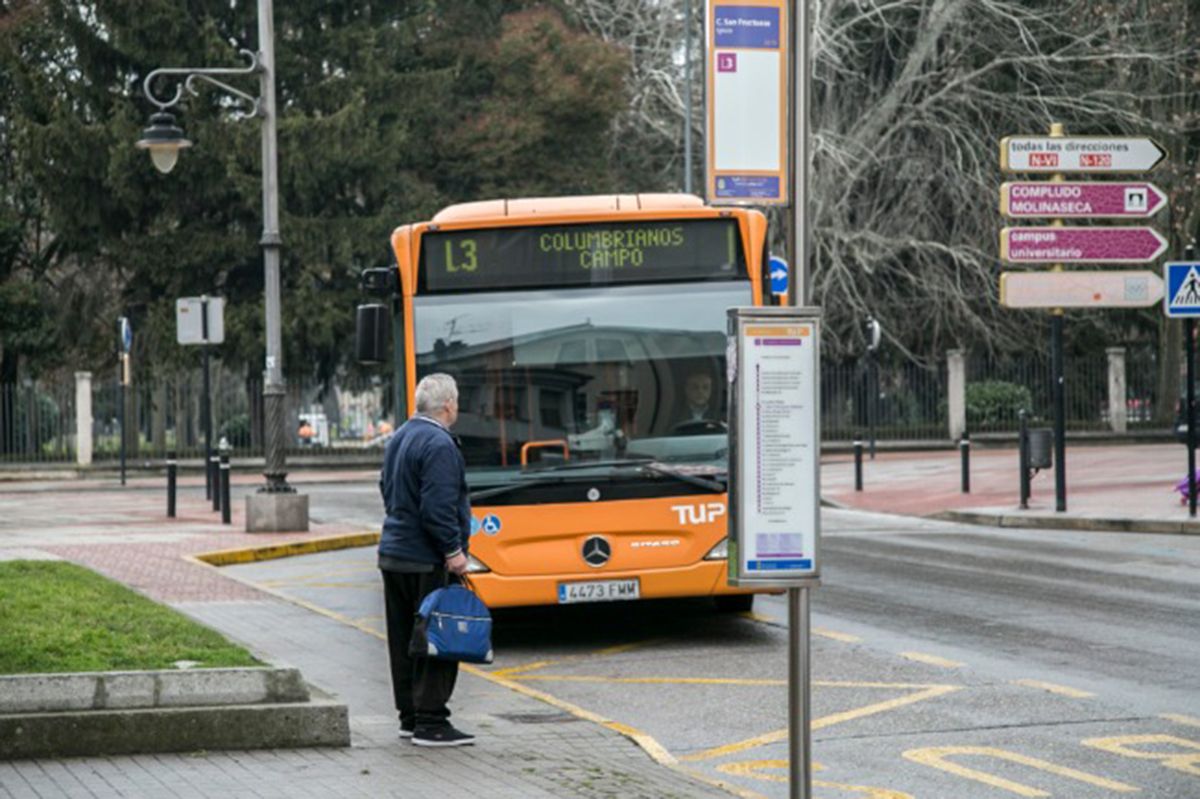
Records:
x=371, y=334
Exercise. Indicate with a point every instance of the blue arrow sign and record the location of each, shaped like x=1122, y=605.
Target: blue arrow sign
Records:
x=1182, y=296
x=778, y=271
x=126, y=334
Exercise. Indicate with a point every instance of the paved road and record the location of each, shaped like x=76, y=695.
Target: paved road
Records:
x=949, y=661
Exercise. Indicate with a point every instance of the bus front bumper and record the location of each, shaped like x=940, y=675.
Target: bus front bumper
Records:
x=707, y=578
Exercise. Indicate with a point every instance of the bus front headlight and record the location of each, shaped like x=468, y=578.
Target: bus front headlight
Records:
x=720, y=551
x=475, y=565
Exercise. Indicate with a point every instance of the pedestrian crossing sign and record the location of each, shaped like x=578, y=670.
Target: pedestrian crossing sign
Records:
x=1182, y=297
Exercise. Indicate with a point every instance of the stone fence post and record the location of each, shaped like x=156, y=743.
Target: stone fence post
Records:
x=83, y=418
x=1118, y=416
x=956, y=393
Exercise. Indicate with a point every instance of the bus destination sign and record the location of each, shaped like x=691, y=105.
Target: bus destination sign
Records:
x=581, y=255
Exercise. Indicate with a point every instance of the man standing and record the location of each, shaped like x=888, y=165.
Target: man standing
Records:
x=424, y=540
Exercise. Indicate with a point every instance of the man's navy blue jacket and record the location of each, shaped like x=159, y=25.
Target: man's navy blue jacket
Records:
x=424, y=489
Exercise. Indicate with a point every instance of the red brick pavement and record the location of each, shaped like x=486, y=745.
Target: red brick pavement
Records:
x=126, y=535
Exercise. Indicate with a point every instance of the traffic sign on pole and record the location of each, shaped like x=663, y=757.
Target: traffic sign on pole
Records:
x=1182, y=297
x=1139, y=289
x=1055, y=245
x=1028, y=200
x=778, y=272
x=1094, y=154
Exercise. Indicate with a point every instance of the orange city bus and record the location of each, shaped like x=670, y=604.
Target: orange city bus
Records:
x=582, y=333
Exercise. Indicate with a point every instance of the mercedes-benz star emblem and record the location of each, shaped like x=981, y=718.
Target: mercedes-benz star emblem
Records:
x=596, y=551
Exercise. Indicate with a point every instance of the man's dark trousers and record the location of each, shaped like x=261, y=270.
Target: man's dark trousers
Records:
x=421, y=686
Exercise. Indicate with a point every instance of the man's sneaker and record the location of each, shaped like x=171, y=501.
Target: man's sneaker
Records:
x=442, y=736
x=407, y=728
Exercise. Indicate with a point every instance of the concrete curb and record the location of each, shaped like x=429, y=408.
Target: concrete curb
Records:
x=229, y=557
x=133, y=712
x=123, y=732
x=129, y=690
x=1083, y=523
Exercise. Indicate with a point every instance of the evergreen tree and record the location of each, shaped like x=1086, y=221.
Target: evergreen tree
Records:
x=387, y=112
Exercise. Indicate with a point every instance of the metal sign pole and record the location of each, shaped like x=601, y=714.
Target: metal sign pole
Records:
x=799, y=699
x=1060, y=389
x=1189, y=336
x=799, y=119
x=774, y=501
x=206, y=403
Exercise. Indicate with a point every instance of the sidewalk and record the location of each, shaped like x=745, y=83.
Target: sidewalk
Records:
x=526, y=748
x=1109, y=488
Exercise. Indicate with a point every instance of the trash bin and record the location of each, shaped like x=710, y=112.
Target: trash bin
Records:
x=1041, y=448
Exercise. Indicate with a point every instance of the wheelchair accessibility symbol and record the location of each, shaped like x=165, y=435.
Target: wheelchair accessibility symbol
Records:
x=491, y=524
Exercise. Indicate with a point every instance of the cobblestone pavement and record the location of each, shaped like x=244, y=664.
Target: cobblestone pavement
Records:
x=525, y=748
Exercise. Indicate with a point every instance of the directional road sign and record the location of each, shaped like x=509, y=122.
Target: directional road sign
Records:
x=1098, y=154
x=126, y=333
x=1052, y=245
x=778, y=271
x=1080, y=289
x=1182, y=297
x=1085, y=200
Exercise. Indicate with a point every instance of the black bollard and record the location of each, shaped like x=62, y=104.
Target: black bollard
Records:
x=858, y=458
x=171, y=464
x=964, y=446
x=225, y=509
x=215, y=468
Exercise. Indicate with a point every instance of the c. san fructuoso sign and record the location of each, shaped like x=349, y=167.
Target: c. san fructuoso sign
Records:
x=747, y=114
x=774, y=368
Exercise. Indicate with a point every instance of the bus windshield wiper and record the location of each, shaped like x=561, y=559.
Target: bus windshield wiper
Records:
x=711, y=485
x=599, y=464
x=550, y=475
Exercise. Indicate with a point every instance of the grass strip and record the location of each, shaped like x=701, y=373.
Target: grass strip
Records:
x=59, y=617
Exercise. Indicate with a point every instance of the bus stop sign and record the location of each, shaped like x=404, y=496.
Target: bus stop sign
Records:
x=774, y=502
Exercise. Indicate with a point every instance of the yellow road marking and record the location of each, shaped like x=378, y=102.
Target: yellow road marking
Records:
x=511, y=670
x=1054, y=688
x=932, y=660
x=835, y=635
x=936, y=757
x=649, y=745
x=754, y=769
x=755, y=616
x=1187, y=761
x=1190, y=721
x=927, y=692
x=643, y=680
x=821, y=631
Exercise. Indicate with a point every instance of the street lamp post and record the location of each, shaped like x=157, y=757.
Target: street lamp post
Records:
x=276, y=506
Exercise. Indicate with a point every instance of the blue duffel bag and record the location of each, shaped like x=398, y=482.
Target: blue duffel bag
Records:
x=453, y=624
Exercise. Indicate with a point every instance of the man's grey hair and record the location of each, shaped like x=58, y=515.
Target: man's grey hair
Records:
x=435, y=392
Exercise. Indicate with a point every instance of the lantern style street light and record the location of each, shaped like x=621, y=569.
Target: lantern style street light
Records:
x=276, y=506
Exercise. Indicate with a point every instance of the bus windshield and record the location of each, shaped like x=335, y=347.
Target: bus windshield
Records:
x=557, y=377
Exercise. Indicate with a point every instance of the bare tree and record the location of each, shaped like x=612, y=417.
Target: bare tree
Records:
x=911, y=100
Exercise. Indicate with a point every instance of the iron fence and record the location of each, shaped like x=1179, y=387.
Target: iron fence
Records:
x=37, y=422
x=902, y=402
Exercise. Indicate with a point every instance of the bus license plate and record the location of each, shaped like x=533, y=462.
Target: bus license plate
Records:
x=598, y=591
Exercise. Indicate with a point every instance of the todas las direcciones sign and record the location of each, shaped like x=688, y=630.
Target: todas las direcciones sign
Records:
x=1093, y=154
x=1119, y=289
x=1030, y=200
x=747, y=114
x=1052, y=245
